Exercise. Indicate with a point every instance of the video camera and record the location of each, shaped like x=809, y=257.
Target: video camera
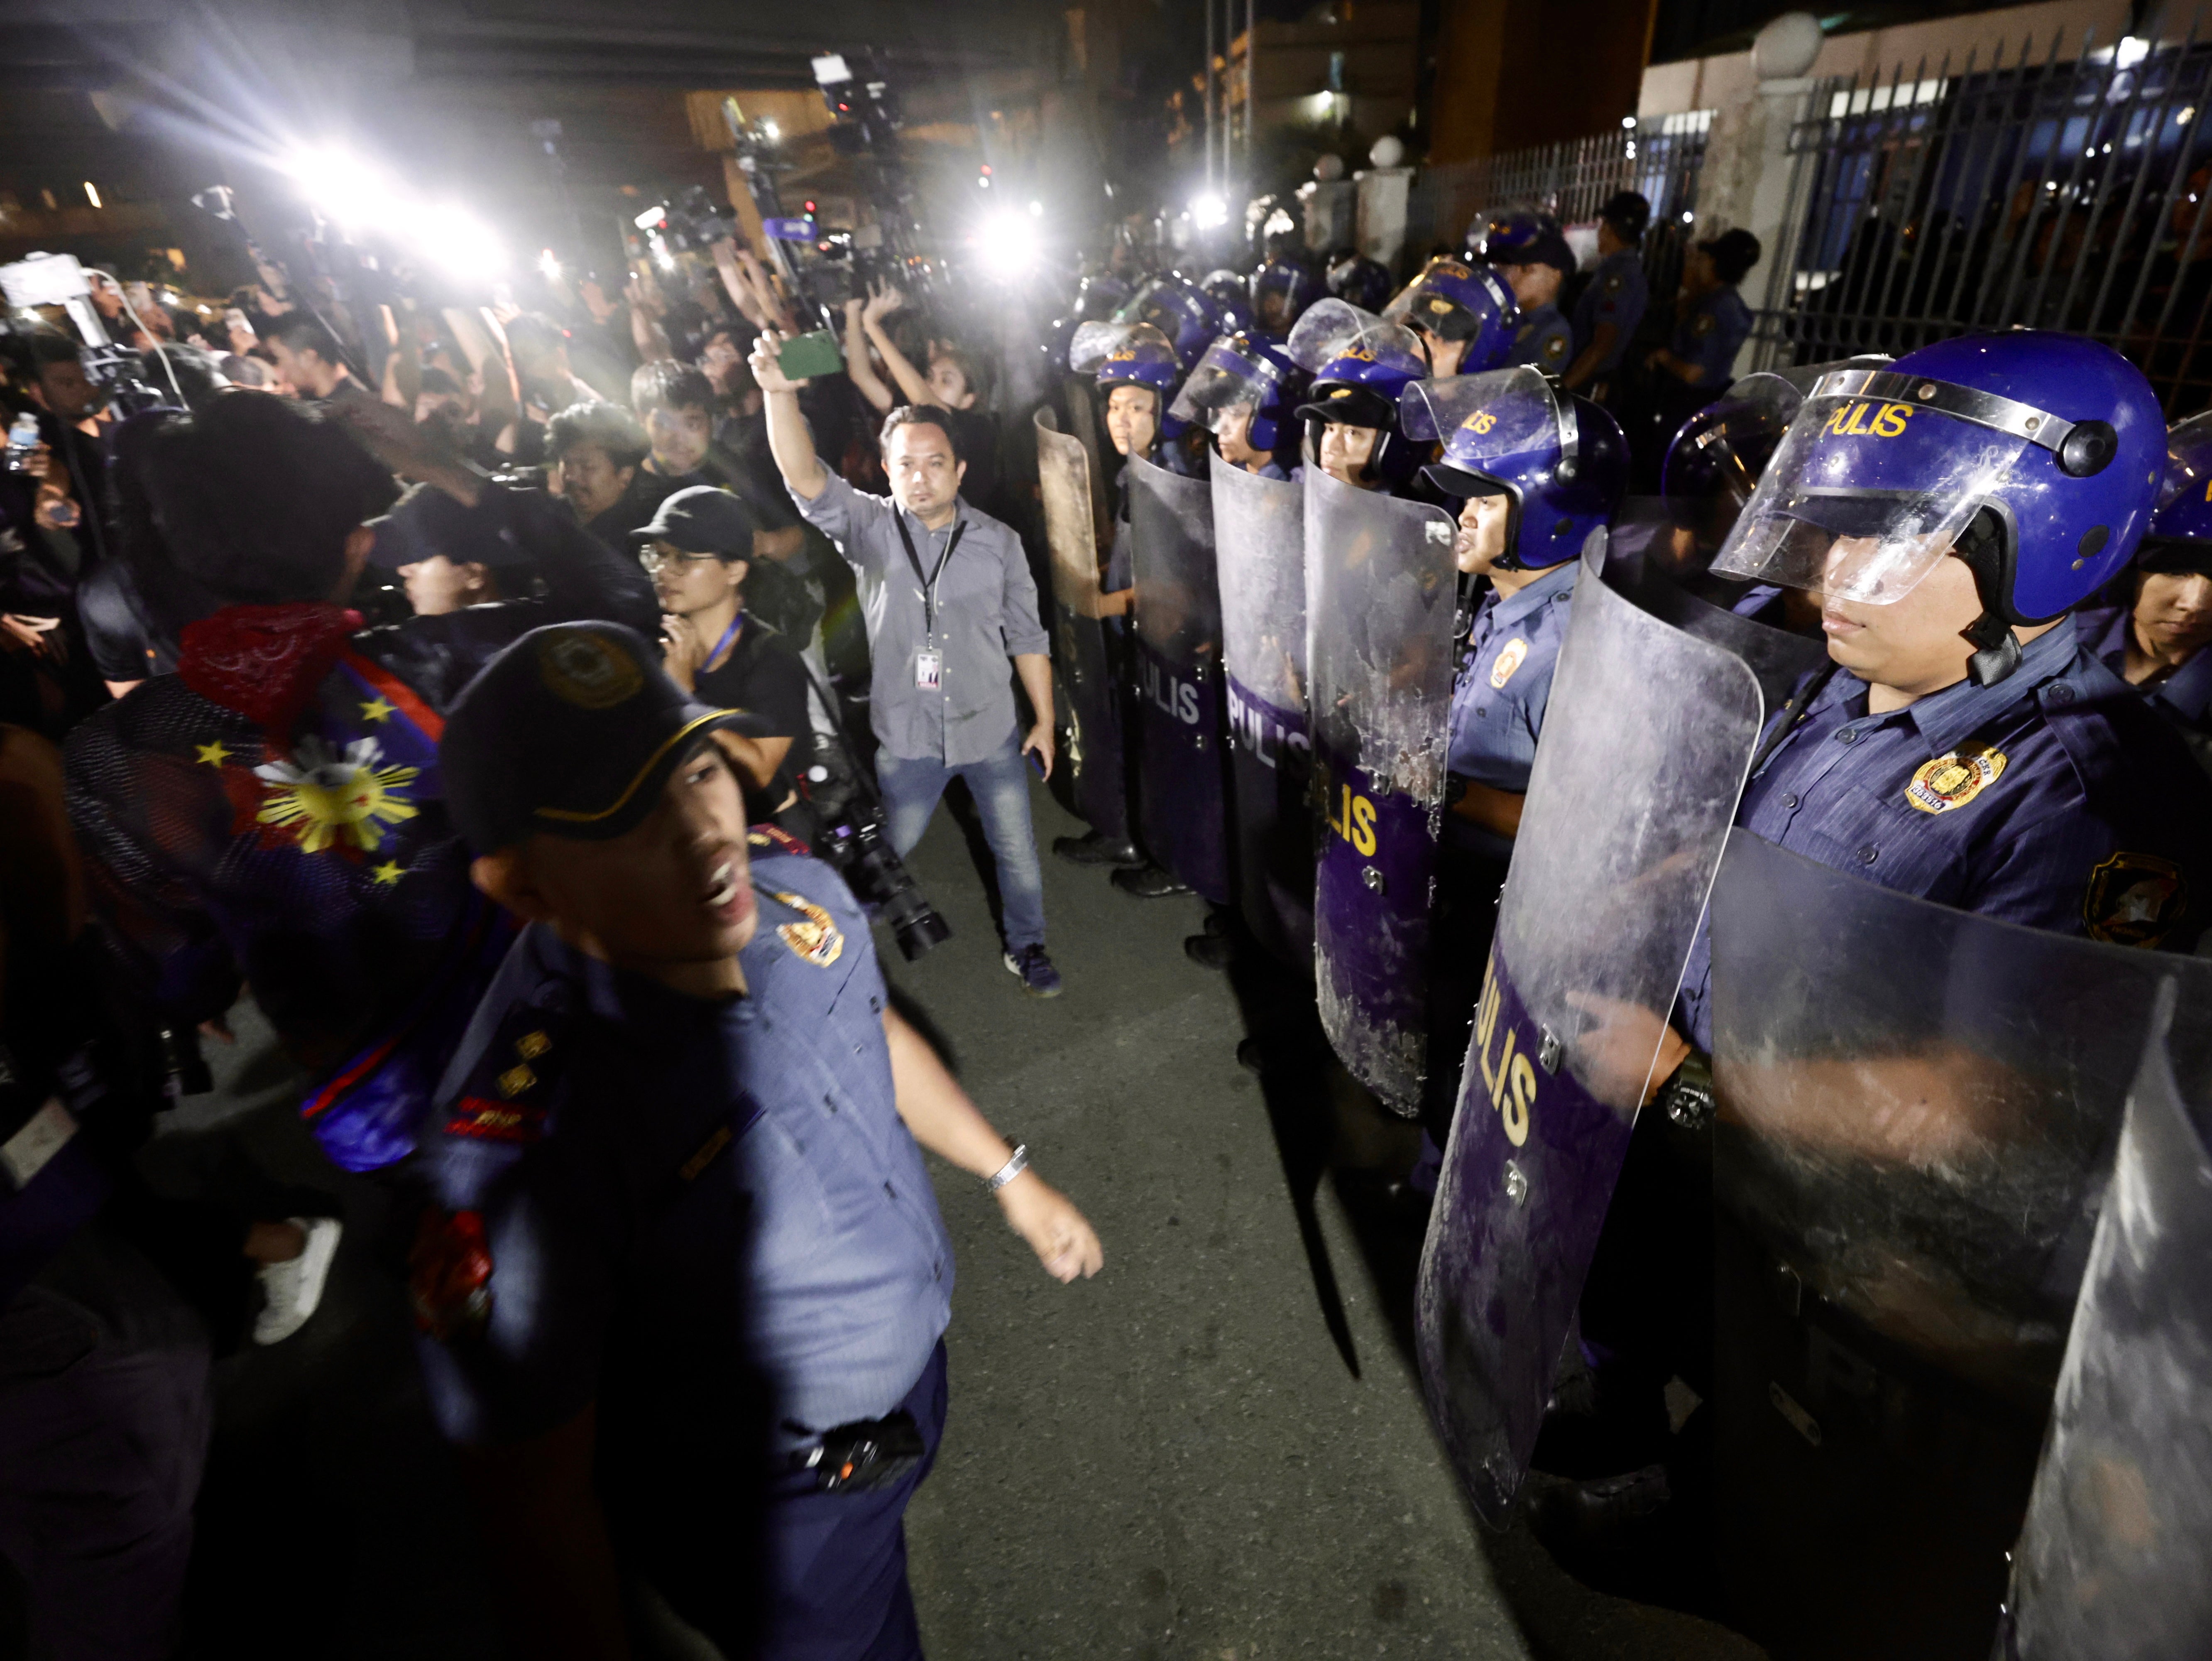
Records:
x=689, y=219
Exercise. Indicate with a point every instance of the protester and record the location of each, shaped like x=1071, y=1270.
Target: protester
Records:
x=598, y=451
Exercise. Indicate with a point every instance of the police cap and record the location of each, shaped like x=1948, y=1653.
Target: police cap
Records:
x=572, y=731
x=427, y=522
x=1733, y=253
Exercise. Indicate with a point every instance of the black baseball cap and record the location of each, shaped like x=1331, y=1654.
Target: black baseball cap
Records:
x=427, y=521
x=1349, y=406
x=572, y=731
x=702, y=520
x=1733, y=253
x=1549, y=247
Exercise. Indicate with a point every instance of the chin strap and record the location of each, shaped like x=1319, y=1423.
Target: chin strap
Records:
x=1997, y=650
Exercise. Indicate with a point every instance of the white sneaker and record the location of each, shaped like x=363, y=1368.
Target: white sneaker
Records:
x=292, y=1289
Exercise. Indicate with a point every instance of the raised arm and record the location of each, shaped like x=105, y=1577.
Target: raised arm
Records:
x=911, y=381
x=788, y=440
x=857, y=366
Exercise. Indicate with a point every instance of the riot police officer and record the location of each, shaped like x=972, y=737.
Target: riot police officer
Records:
x=1281, y=289
x=1360, y=364
x=2154, y=621
x=1243, y=392
x=1536, y=471
x=1464, y=317
x=1531, y=254
x=680, y=1277
x=1609, y=308
x=1185, y=314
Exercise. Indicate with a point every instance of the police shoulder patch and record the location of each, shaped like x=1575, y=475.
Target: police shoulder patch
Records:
x=1556, y=346
x=1954, y=779
x=1704, y=325
x=2135, y=899
x=1612, y=284
x=1507, y=661
x=815, y=937
x=774, y=839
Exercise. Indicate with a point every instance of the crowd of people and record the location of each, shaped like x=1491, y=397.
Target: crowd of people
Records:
x=529, y=710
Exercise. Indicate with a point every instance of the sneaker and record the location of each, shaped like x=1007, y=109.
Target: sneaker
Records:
x=1209, y=951
x=1150, y=882
x=1039, y=978
x=294, y=1288
x=1096, y=849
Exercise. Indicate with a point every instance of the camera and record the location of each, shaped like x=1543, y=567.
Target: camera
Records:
x=853, y=834
x=119, y=372
x=692, y=221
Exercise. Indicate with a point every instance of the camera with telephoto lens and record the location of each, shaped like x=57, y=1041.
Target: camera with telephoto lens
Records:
x=693, y=220
x=119, y=372
x=853, y=833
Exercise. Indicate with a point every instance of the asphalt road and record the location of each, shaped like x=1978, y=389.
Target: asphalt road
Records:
x=1216, y=1450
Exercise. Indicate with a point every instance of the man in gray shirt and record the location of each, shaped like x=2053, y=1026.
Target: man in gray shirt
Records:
x=947, y=597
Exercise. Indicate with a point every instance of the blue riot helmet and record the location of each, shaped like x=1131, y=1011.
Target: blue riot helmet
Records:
x=1243, y=377
x=1715, y=460
x=1359, y=280
x=1281, y=289
x=1360, y=364
x=1226, y=290
x=2036, y=457
x=1130, y=354
x=1466, y=307
x=1098, y=295
x=1506, y=238
x=2180, y=534
x=1186, y=316
x=1559, y=459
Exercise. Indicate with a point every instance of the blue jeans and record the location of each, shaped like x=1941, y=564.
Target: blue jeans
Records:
x=1001, y=785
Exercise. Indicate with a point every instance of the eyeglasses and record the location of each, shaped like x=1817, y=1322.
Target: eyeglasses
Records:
x=653, y=559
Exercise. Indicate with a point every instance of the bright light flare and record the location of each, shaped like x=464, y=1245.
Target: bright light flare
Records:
x=358, y=197
x=1209, y=212
x=92, y=194
x=1008, y=245
x=548, y=266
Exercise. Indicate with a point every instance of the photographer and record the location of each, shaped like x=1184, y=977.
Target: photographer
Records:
x=940, y=700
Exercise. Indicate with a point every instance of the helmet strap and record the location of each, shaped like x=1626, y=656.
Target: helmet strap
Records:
x=1997, y=653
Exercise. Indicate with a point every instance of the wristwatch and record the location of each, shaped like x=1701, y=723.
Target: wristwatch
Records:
x=1688, y=1096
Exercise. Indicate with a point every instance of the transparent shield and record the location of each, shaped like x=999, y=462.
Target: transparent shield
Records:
x=1381, y=587
x=1324, y=329
x=2189, y=460
x=1259, y=532
x=1225, y=379
x=1094, y=344
x=1838, y=512
x=1095, y=753
x=1646, y=742
x=1501, y=412
x=1175, y=621
x=1918, y=1105
x=2110, y=1564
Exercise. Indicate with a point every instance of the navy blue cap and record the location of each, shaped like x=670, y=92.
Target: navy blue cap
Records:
x=572, y=731
x=1547, y=247
x=427, y=522
x=702, y=520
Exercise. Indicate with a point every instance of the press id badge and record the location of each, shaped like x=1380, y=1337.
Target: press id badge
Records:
x=929, y=671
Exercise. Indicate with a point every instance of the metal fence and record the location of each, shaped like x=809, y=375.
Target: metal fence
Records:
x=1659, y=156
x=2027, y=191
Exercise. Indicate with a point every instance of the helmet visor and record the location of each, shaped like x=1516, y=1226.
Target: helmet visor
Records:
x=1862, y=497
x=1500, y=413
x=1226, y=378
x=1325, y=329
x=1096, y=344
x=2188, y=461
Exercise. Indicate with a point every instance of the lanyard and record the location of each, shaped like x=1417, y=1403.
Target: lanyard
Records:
x=928, y=583
x=723, y=644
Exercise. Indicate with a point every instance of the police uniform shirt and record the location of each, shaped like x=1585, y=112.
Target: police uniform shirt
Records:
x=1544, y=340
x=664, y=1204
x=2183, y=697
x=1498, y=698
x=1710, y=335
x=1616, y=294
x=2051, y=800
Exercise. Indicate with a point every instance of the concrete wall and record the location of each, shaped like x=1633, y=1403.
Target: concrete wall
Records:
x=1707, y=83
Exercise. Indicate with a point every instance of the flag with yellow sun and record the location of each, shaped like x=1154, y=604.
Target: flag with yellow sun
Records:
x=335, y=797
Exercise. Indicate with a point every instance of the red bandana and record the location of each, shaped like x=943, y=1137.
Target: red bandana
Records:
x=265, y=661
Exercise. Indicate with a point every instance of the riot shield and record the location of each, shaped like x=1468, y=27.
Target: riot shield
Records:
x=1917, y=1107
x=2110, y=1566
x=1259, y=533
x=1176, y=621
x=1646, y=742
x=1095, y=756
x=1776, y=658
x=1380, y=591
